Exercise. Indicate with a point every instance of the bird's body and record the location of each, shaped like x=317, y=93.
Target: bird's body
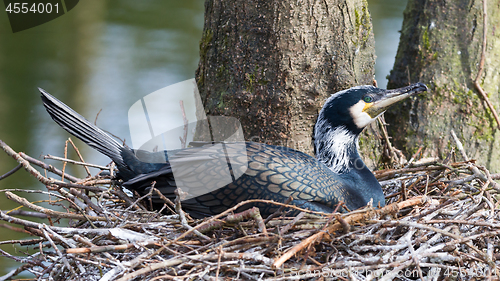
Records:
x=267, y=171
x=273, y=173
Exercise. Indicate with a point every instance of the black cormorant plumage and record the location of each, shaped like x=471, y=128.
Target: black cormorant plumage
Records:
x=270, y=172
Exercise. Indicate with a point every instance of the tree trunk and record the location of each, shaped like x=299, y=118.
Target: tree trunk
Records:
x=272, y=64
x=441, y=45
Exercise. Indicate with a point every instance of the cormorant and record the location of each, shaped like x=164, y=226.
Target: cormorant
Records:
x=274, y=172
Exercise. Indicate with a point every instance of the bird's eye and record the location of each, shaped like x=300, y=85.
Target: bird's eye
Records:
x=367, y=99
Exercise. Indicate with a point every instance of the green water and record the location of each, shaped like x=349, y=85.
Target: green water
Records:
x=107, y=54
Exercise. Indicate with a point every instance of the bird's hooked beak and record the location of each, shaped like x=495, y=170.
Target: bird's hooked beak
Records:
x=391, y=97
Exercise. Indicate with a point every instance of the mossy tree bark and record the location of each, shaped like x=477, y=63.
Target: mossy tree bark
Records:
x=440, y=45
x=272, y=64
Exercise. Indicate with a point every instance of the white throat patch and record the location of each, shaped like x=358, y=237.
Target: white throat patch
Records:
x=360, y=118
x=337, y=146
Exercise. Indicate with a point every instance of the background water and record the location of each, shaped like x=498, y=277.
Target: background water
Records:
x=103, y=56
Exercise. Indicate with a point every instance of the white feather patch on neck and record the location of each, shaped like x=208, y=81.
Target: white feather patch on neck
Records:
x=359, y=117
x=338, y=145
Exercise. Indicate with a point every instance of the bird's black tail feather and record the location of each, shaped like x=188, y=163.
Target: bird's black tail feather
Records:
x=81, y=128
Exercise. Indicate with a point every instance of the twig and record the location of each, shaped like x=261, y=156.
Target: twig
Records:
x=49, y=212
x=473, y=237
x=60, y=230
x=18, y=259
x=86, y=199
x=136, y=202
x=26, y=214
x=279, y=211
x=19, y=166
x=182, y=217
x=64, y=162
x=218, y=264
x=128, y=201
x=86, y=241
x=482, y=177
x=49, y=168
x=109, y=248
x=80, y=156
x=96, y=182
x=165, y=199
x=288, y=226
x=477, y=223
x=391, y=155
x=413, y=157
x=24, y=163
x=48, y=156
x=236, y=218
x=388, y=173
x=23, y=242
x=13, y=228
x=460, y=147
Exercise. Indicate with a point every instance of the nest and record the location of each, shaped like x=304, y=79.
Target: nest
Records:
x=441, y=222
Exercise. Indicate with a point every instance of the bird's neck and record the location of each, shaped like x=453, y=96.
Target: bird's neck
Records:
x=337, y=148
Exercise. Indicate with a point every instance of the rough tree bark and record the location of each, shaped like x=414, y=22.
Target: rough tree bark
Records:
x=441, y=45
x=272, y=64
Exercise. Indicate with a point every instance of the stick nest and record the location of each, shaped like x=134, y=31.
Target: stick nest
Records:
x=441, y=220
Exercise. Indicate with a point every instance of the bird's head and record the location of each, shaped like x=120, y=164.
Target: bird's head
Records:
x=357, y=107
x=346, y=113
